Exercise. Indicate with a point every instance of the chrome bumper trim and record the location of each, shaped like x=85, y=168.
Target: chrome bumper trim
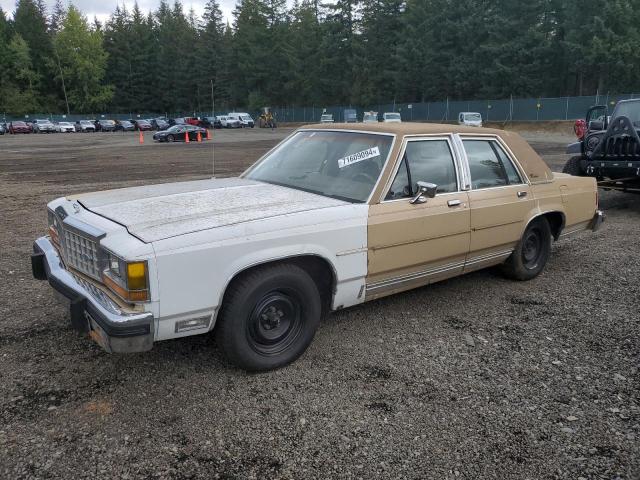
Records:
x=92, y=311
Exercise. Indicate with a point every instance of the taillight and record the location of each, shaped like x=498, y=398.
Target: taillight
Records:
x=580, y=128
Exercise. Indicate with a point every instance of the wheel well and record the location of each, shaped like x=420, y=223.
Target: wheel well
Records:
x=318, y=268
x=556, y=223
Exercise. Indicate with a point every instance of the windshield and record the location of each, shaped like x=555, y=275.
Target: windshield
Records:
x=86, y=122
x=343, y=165
x=65, y=124
x=108, y=122
x=246, y=118
x=631, y=110
x=392, y=115
x=473, y=117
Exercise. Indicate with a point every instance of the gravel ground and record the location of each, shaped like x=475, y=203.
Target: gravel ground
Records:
x=476, y=377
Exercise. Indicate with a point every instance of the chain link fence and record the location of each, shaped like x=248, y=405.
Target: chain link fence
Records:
x=511, y=109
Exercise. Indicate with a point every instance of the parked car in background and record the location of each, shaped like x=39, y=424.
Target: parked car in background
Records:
x=370, y=117
x=177, y=121
x=350, y=115
x=391, y=117
x=43, y=126
x=471, y=119
x=326, y=118
x=210, y=122
x=192, y=121
x=125, y=126
x=230, y=122
x=177, y=133
x=107, y=125
x=333, y=217
x=160, y=123
x=143, y=125
x=85, y=126
x=245, y=119
x=19, y=127
x=65, y=127
x=3, y=128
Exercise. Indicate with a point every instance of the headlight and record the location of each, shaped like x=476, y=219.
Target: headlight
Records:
x=128, y=280
x=593, y=142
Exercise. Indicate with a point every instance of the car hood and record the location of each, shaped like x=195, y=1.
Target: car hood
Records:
x=156, y=212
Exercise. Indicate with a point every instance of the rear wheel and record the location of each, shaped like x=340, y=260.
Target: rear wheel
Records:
x=269, y=317
x=531, y=255
x=171, y=138
x=573, y=167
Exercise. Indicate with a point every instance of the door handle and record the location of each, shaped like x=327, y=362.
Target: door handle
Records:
x=522, y=194
x=454, y=203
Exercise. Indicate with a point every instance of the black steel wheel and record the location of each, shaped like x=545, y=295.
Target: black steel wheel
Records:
x=532, y=252
x=269, y=317
x=275, y=322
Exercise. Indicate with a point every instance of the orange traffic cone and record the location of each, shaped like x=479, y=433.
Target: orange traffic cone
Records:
x=199, y=137
x=141, y=138
x=186, y=137
x=208, y=134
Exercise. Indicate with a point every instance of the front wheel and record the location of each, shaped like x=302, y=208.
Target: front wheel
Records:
x=171, y=138
x=573, y=167
x=269, y=317
x=532, y=253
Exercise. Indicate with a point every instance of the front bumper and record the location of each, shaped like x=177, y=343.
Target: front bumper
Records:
x=597, y=221
x=92, y=311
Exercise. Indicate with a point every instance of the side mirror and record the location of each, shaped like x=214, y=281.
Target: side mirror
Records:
x=425, y=190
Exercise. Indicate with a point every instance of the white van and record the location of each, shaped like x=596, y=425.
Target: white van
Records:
x=244, y=118
x=471, y=119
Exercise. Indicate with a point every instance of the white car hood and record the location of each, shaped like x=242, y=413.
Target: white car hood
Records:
x=157, y=212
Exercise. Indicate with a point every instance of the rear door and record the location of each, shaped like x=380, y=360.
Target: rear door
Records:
x=500, y=199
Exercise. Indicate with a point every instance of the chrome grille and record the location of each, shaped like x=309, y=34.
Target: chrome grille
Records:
x=81, y=253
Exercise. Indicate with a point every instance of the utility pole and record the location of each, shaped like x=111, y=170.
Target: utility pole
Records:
x=64, y=90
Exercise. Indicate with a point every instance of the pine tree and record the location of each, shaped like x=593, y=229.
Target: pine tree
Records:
x=83, y=61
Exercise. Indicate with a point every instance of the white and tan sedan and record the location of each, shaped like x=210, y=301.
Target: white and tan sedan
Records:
x=332, y=217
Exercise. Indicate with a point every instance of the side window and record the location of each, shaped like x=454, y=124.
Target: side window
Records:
x=427, y=161
x=489, y=165
x=512, y=174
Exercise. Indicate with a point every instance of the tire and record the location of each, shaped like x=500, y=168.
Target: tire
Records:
x=269, y=317
x=572, y=167
x=532, y=253
x=171, y=138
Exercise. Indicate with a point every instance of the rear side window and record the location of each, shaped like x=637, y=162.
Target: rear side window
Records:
x=427, y=161
x=489, y=165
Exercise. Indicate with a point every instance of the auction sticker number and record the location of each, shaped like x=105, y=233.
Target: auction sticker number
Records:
x=358, y=157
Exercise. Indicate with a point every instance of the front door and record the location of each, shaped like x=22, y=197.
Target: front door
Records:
x=412, y=244
x=500, y=202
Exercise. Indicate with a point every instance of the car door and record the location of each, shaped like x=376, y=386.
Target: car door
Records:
x=500, y=199
x=412, y=244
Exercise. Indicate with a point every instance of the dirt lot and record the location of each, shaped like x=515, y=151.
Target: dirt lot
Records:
x=476, y=377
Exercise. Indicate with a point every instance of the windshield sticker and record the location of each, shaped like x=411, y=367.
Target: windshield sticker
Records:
x=358, y=157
